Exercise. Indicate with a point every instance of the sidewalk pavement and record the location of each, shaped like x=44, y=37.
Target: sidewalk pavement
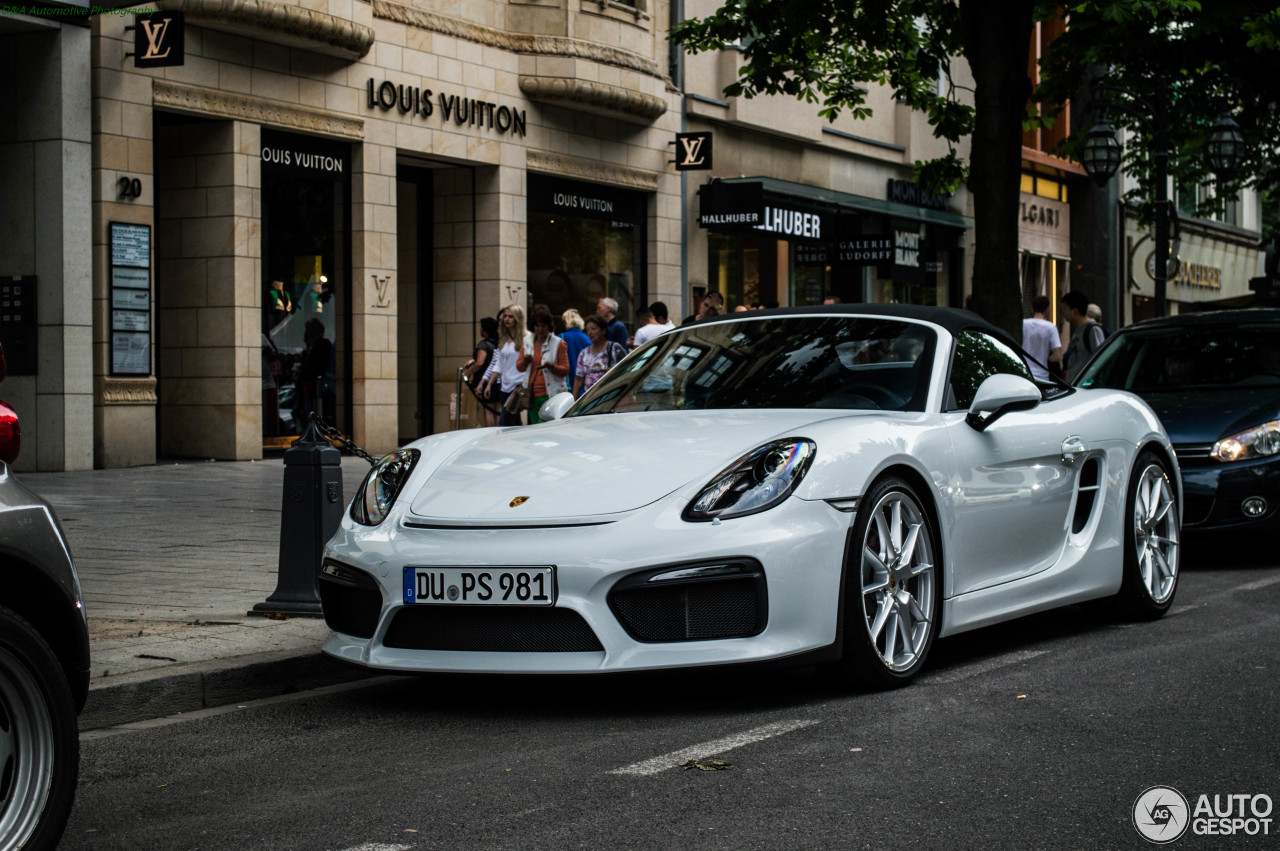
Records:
x=172, y=558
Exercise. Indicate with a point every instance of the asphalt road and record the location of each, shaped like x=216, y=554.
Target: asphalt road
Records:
x=1038, y=734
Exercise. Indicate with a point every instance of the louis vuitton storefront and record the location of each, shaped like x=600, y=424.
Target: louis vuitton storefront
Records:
x=772, y=242
x=381, y=175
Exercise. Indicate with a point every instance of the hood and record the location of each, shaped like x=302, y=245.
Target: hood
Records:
x=1205, y=416
x=593, y=465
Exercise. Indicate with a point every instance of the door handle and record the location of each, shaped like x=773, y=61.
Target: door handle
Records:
x=1072, y=448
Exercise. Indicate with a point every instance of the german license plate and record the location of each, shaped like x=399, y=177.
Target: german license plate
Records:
x=481, y=586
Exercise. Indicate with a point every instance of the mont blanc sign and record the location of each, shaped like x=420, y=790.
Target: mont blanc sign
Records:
x=452, y=108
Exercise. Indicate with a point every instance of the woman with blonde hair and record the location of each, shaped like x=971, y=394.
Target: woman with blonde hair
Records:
x=575, y=340
x=513, y=340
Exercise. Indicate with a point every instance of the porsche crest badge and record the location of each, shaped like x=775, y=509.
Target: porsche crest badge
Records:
x=519, y=501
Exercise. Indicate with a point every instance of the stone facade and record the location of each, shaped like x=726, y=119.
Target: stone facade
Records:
x=45, y=238
x=494, y=90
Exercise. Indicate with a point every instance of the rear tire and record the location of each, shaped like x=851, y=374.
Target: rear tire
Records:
x=39, y=740
x=893, y=588
x=1152, y=544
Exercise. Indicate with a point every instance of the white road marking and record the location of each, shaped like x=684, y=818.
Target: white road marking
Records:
x=719, y=746
x=378, y=846
x=987, y=666
x=1257, y=584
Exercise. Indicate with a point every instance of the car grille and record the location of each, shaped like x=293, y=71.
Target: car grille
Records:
x=491, y=629
x=702, y=609
x=1193, y=454
x=351, y=600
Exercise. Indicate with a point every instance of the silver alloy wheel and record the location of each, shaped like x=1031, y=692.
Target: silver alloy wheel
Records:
x=898, y=581
x=1155, y=533
x=26, y=751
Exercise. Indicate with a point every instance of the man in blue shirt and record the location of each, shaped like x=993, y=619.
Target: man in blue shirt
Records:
x=617, y=330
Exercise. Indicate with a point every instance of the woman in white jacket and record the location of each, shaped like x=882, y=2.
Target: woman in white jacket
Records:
x=513, y=340
x=548, y=363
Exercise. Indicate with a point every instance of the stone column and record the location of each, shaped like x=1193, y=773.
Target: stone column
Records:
x=45, y=159
x=374, y=302
x=208, y=283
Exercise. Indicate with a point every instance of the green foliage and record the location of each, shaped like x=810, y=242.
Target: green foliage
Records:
x=1171, y=68
x=826, y=52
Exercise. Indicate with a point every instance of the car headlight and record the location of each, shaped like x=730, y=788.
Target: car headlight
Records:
x=378, y=492
x=755, y=482
x=1258, y=442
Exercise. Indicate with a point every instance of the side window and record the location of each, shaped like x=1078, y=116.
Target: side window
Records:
x=979, y=356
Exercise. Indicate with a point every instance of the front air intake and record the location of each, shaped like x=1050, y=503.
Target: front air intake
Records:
x=693, y=603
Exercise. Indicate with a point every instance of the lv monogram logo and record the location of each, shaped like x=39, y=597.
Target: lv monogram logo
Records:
x=381, y=284
x=154, y=31
x=692, y=151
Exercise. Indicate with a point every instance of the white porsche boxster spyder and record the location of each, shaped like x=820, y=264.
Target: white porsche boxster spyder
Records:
x=829, y=484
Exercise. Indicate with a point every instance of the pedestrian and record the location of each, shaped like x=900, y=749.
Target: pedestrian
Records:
x=1086, y=335
x=312, y=374
x=607, y=308
x=658, y=323
x=272, y=370
x=712, y=304
x=576, y=339
x=598, y=358
x=547, y=364
x=1041, y=340
x=502, y=370
x=473, y=369
x=644, y=317
x=1095, y=313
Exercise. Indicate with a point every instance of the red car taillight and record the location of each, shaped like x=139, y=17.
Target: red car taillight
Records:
x=10, y=434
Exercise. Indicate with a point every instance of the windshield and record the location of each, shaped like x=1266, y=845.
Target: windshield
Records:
x=843, y=362
x=1190, y=358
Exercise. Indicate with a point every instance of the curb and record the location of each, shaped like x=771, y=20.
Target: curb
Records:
x=142, y=696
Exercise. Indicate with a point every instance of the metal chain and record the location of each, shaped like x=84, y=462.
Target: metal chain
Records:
x=343, y=442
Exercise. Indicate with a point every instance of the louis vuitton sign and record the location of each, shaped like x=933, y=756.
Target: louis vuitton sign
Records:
x=159, y=40
x=451, y=108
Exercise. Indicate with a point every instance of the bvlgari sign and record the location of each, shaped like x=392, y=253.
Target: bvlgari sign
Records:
x=462, y=111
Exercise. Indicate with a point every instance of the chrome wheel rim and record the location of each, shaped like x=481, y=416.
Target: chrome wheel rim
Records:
x=26, y=751
x=898, y=581
x=1155, y=533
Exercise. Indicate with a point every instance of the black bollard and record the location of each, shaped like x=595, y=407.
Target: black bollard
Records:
x=310, y=514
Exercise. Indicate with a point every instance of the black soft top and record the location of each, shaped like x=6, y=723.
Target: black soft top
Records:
x=950, y=318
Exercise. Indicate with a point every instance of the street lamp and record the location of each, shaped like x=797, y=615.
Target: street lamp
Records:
x=1226, y=147
x=1101, y=159
x=1101, y=154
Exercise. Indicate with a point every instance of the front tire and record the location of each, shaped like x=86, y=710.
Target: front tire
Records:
x=39, y=740
x=1152, y=544
x=892, y=587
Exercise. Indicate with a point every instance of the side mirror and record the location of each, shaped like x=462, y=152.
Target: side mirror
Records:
x=556, y=407
x=999, y=395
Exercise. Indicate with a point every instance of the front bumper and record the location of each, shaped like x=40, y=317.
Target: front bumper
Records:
x=1214, y=494
x=797, y=547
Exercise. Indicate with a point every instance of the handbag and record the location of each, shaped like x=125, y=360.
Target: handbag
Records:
x=518, y=400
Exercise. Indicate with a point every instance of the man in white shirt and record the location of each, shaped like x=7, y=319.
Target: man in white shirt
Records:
x=1040, y=339
x=658, y=323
